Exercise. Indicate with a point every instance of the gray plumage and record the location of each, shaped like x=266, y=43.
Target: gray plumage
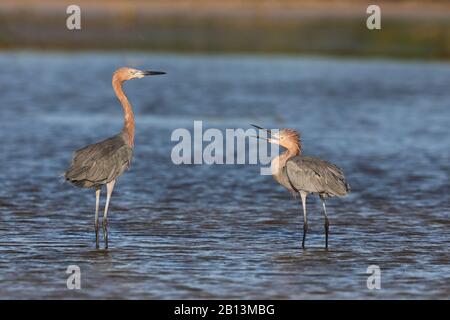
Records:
x=305, y=175
x=100, y=163
x=314, y=175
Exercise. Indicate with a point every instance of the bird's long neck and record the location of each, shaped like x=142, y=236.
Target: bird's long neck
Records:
x=129, y=124
x=279, y=162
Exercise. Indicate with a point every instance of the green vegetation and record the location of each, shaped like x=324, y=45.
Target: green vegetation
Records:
x=402, y=38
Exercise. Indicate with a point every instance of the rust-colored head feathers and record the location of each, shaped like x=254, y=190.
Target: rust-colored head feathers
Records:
x=289, y=134
x=288, y=138
x=124, y=74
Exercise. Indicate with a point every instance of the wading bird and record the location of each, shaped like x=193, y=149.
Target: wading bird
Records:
x=305, y=175
x=101, y=163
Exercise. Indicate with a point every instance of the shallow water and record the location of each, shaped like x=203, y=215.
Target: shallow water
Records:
x=225, y=231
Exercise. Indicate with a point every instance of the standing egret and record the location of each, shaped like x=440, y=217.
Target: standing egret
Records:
x=101, y=163
x=305, y=175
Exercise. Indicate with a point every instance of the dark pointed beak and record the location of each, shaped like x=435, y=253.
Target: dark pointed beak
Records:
x=152, y=73
x=258, y=127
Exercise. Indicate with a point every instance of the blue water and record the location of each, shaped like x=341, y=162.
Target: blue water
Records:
x=199, y=231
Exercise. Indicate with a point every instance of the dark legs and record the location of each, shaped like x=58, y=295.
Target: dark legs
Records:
x=109, y=190
x=327, y=223
x=305, y=222
x=97, y=204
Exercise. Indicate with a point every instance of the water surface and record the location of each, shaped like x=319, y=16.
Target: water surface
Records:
x=198, y=231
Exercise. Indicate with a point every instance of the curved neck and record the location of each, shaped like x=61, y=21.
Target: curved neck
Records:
x=279, y=162
x=129, y=125
x=289, y=153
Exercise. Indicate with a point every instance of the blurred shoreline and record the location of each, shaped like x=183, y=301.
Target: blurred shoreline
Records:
x=410, y=29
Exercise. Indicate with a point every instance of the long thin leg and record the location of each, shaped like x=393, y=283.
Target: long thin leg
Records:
x=109, y=190
x=327, y=223
x=305, y=221
x=97, y=204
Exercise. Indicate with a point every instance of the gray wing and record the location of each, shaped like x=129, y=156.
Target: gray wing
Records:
x=316, y=176
x=99, y=163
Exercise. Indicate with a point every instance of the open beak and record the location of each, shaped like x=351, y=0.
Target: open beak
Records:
x=269, y=133
x=258, y=127
x=152, y=73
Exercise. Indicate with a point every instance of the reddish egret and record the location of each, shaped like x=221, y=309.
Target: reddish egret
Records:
x=305, y=175
x=101, y=163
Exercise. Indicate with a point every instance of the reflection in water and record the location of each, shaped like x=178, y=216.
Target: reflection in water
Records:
x=225, y=231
